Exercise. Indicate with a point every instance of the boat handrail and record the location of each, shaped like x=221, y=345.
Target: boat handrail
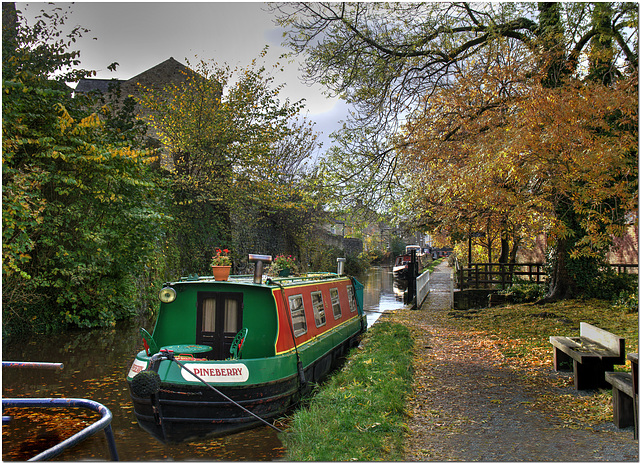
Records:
x=248, y=278
x=103, y=423
x=290, y=280
x=302, y=278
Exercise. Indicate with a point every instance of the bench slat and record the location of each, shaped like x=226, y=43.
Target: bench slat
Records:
x=602, y=337
x=590, y=358
x=620, y=380
x=574, y=349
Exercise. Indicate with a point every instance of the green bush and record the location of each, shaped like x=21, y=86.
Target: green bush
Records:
x=525, y=291
x=627, y=301
x=609, y=285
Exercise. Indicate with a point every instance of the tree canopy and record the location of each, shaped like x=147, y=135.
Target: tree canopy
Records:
x=235, y=150
x=512, y=117
x=79, y=206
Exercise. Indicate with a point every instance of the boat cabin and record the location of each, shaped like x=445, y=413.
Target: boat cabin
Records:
x=263, y=341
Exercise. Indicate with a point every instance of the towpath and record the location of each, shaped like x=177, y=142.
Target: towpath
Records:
x=469, y=406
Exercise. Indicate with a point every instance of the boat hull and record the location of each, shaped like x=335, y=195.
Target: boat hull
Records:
x=401, y=272
x=183, y=412
x=178, y=413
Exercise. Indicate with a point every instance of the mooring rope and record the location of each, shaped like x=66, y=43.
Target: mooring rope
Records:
x=172, y=357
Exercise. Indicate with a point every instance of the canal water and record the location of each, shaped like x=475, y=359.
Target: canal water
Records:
x=96, y=363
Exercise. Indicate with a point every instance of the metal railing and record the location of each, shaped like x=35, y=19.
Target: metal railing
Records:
x=41, y=365
x=104, y=423
x=423, y=287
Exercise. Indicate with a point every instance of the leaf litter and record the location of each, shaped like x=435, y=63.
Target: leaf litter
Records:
x=484, y=389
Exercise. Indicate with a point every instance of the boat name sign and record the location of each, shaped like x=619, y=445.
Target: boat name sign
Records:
x=227, y=373
x=137, y=367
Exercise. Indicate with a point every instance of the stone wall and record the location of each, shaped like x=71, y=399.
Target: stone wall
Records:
x=624, y=250
x=352, y=246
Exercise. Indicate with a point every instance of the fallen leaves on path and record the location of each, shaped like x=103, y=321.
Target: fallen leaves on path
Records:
x=472, y=381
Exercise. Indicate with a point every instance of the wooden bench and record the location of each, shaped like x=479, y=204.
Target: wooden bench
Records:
x=633, y=358
x=622, y=395
x=593, y=352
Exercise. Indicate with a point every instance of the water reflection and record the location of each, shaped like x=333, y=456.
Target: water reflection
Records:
x=96, y=363
x=381, y=293
x=95, y=366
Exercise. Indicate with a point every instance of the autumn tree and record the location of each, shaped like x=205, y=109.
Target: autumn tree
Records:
x=399, y=63
x=79, y=206
x=502, y=169
x=235, y=148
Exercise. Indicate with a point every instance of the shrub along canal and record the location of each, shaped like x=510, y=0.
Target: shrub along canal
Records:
x=96, y=363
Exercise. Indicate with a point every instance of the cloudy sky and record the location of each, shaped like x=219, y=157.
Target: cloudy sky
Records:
x=139, y=35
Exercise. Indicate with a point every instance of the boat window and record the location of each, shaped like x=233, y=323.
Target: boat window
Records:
x=296, y=306
x=209, y=314
x=335, y=303
x=231, y=315
x=218, y=319
x=352, y=299
x=318, y=308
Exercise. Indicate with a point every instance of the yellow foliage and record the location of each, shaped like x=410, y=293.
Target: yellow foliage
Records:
x=90, y=121
x=65, y=120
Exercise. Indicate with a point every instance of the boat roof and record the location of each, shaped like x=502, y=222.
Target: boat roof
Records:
x=266, y=280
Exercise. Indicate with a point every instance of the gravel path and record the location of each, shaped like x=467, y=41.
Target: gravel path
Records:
x=468, y=406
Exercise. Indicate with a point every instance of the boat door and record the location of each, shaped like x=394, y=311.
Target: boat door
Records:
x=218, y=320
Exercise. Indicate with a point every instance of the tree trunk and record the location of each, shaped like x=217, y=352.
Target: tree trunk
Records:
x=550, y=34
x=514, y=250
x=560, y=284
x=504, y=247
x=601, y=66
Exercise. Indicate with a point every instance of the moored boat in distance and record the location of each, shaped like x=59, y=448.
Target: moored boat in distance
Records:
x=225, y=355
x=401, y=264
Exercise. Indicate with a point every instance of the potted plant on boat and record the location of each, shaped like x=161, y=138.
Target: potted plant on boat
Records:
x=221, y=265
x=283, y=266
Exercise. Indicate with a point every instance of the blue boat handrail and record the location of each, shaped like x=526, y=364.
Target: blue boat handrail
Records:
x=103, y=423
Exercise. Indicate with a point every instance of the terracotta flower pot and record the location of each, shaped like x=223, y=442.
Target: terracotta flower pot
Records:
x=221, y=272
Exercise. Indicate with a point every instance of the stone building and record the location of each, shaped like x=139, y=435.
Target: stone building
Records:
x=158, y=77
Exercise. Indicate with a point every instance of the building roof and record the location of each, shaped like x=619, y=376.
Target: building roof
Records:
x=89, y=85
x=167, y=71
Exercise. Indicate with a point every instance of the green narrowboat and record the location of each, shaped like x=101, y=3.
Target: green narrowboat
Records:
x=225, y=356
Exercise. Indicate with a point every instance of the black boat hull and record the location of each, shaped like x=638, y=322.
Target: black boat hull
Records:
x=178, y=413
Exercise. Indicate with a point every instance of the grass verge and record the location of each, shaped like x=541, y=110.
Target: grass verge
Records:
x=433, y=264
x=359, y=413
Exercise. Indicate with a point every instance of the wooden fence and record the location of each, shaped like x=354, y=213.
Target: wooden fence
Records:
x=625, y=268
x=499, y=276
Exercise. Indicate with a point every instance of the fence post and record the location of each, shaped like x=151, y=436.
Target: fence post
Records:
x=451, y=301
x=413, y=275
